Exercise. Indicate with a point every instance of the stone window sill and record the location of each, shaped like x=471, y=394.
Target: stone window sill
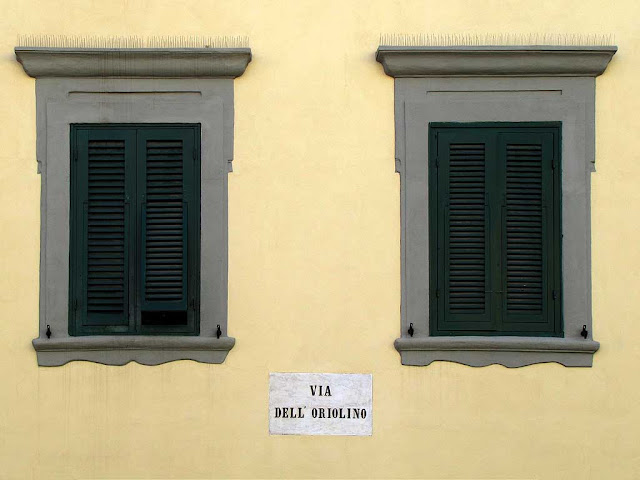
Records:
x=119, y=350
x=507, y=351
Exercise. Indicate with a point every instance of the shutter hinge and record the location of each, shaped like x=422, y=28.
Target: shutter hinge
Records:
x=554, y=294
x=553, y=163
x=437, y=293
x=437, y=162
x=194, y=154
x=75, y=304
x=75, y=155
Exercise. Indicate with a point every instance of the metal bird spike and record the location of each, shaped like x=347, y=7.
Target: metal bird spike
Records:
x=494, y=39
x=133, y=41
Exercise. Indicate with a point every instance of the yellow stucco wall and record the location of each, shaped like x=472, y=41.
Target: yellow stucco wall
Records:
x=314, y=268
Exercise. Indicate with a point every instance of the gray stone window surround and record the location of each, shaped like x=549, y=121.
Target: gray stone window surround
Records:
x=132, y=86
x=496, y=84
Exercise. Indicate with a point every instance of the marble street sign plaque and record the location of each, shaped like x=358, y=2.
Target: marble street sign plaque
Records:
x=320, y=404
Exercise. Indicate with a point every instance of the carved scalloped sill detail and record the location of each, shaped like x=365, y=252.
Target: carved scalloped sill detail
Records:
x=134, y=62
x=507, y=351
x=120, y=350
x=469, y=61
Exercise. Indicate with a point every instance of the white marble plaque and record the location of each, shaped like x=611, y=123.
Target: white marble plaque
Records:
x=320, y=404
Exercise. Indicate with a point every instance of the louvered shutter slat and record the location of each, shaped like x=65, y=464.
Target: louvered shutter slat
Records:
x=466, y=286
x=527, y=230
x=463, y=238
x=165, y=221
x=524, y=224
x=106, y=221
x=102, y=231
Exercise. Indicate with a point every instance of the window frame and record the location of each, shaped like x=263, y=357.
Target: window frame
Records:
x=130, y=86
x=495, y=84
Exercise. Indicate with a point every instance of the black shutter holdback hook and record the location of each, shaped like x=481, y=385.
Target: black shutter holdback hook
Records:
x=48, y=331
x=411, y=330
x=584, y=332
x=218, y=332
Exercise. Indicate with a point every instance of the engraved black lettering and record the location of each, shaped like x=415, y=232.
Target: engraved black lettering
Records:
x=278, y=412
x=327, y=391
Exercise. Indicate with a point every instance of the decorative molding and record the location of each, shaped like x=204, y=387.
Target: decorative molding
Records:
x=470, y=61
x=134, y=62
x=119, y=350
x=507, y=351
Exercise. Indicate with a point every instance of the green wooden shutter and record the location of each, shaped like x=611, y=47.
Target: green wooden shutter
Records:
x=528, y=231
x=463, y=240
x=166, y=194
x=135, y=210
x=494, y=209
x=101, y=231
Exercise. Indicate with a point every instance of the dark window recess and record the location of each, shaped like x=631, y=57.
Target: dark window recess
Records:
x=494, y=208
x=134, y=263
x=164, y=318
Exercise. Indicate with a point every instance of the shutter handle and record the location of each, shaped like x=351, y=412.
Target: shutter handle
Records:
x=411, y=330
x=218, y=332
x=584, y=332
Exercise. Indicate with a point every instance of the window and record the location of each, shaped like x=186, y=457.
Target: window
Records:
x=494, y=221
x=540, y=99
x=134, y=254
x=142, y=101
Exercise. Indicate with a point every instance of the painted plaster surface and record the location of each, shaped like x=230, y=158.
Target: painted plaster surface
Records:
x=314, y=268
